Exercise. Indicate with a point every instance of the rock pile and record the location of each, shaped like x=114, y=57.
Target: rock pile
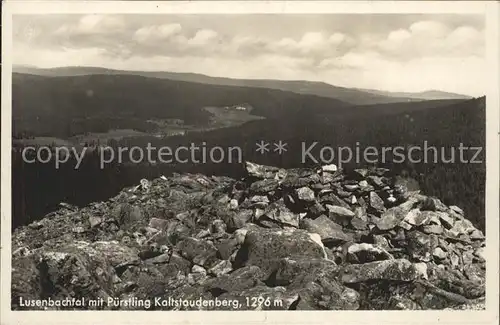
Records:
x=297, y=239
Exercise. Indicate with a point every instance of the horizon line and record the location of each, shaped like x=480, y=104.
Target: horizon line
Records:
x=243, y=79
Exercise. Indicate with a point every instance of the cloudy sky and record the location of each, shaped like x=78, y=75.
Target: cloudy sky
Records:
x=388, y=52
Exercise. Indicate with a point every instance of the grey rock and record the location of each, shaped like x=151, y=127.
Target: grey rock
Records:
x=420, y=245
x=338, y=211
x=362, y=172
x=305, y=194
x=198, y=269
x=393, y=269
x=439, y=253
x=416, y=218
x=351, y=187
x=226, y=247
x=241, y=279
x=295, y=270
x=432, y=229
x=456, y=209
x=157, y=223
x=191, y=236
x=264, y=186
x=218, y=226
x=332, y=199
x=365, y=253
x=279, y=213
x=329, y=168
x=240, y=219
x=359, y=223
x=343, y=194
x=329, y=231
x=381, y=241
x=391, y=218
x=198, y=251
x=376, y=202
x=461, y=227
x=260, y=171
x=260, y=201
x=263, y=248
x=95, y=221
x=127, y=214
x=477, y=234
x=446, y=220
x=365, y=187
x=223, y=267
x=376, y=181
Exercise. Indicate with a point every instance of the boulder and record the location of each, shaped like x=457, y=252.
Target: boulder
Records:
x=420, y=245
x=332, y=199
x=301, y=239
x=223, y=267
x=241, y=279
x=197, y=251
x=264, y=186
x=126, y=214
x=263, y=248
x=338, y=212
x=365, y=253
x=332, y=168
x=329, y=231
x=392, y=269
x=376, y=202
x=416, y=218
x=280, y=214
x=260, y=171
x=305, y=194
x=391, y=218
x=158, y=224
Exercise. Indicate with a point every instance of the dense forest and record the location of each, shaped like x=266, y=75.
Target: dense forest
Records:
x=38, y=188
x=349, y=95
x=67, y=106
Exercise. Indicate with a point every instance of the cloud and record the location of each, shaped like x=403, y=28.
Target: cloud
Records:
x=173, y=40
x=56, y=58
x=404, y=55
x=353, y=60
x=314, y=43
x=399, y=36
x=92, y=24
x=117, y=36
x=466, y=39
x=156, y=33
x=429, y=28
x=203, y=37
x=432, y=39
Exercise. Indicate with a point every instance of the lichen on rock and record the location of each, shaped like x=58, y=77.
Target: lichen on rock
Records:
x=313, y=238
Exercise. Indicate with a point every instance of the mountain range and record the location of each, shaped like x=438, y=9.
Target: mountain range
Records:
x=66, y=102
x=349, y=95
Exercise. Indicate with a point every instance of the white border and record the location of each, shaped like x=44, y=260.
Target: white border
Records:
x=245, y=7
x=489, y=8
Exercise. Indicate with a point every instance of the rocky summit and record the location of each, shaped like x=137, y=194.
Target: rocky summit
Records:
x=297, y=239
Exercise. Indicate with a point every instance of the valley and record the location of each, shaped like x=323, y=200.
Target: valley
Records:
x=126, y=110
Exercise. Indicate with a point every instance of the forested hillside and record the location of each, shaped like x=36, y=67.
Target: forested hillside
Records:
x=66, y=106
x=38, y=188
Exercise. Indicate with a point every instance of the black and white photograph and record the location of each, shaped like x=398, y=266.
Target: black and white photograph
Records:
x=249, y=161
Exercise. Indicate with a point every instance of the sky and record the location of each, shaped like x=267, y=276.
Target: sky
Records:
x=393, y=52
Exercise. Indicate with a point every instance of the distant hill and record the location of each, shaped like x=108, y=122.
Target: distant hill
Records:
x=348, y=95
x=444, y=126
x=62, y=106
x=424, y=95
x=66, y=106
